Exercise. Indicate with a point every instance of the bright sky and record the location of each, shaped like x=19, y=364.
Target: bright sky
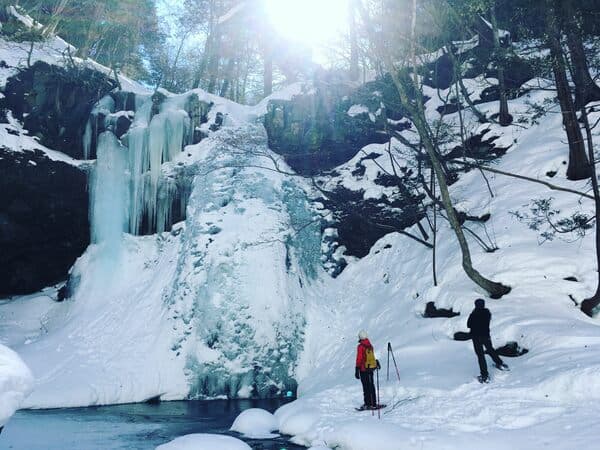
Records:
x=314, y=23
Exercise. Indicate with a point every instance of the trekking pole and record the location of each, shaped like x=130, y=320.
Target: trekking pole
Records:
x=393, y=359
x=388, y=362
x=378, y=399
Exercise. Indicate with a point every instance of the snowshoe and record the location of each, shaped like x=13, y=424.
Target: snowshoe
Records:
x=483, y=379
x=380, y=406
x=370, y=408
x=503, y=367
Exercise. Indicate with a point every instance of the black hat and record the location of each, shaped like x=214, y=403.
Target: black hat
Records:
x=480, y=303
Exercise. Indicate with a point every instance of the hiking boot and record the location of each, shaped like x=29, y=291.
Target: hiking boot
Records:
x=502, y=366
x=483, y=379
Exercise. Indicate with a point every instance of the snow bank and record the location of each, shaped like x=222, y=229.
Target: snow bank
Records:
x=365, y=436
x=256, y=423
x=205, y=442
x=16, y=382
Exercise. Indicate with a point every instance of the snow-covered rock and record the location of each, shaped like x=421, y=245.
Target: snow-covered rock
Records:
x=256, y=423
x=204, y=442
x=16, y=382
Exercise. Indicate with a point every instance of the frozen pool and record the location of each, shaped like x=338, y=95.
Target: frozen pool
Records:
x=133, y=426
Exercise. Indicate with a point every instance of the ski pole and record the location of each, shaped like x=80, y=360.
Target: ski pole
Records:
x=388, y=361
x=394, y=360
x=378, y=399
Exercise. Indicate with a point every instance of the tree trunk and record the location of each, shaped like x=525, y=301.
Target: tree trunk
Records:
x=203, y=64
x=588, y=305
x=227, y=77
x=213, y=63
x=579, y=167
x=495, y=289
x=586, y=90
x=354, y=69
x=268, y=71
x=56, y=18
x=504, y=117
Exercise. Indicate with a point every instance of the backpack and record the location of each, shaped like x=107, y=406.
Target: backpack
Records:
x=370, y=361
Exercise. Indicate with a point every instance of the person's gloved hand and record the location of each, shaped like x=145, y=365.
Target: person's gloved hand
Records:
x=357, y=373
x=378, y=365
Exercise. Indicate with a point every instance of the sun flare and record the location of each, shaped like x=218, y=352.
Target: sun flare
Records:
x=310, y=22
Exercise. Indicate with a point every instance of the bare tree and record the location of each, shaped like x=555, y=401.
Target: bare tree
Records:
x=579, y=166
x=411, y=95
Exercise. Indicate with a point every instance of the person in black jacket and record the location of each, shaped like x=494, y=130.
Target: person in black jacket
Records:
x=479, y=323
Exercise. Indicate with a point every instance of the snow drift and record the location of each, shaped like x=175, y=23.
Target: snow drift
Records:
x=16, y=382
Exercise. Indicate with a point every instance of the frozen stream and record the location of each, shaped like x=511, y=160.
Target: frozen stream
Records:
x=132, y=426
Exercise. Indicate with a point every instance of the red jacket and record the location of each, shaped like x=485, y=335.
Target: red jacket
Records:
x=361, y=357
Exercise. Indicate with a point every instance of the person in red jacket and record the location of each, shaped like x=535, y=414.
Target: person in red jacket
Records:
x=365, y=366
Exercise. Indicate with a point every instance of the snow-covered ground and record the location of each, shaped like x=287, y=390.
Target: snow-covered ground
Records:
x=237, y=289
x=16, y=382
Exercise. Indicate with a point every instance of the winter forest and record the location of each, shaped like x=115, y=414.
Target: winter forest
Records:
x=299, y=224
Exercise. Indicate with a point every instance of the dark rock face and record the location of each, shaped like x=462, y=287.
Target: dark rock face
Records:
x=315, y=133
x=54, y=103
x=43, y=220
x=362, y=222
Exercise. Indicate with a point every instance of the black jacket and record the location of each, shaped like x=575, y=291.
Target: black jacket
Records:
x=479, y=322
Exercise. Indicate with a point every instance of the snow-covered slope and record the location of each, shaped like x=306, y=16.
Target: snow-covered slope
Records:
x=548, y=400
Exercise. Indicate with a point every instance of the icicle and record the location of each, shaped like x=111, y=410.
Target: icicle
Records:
x=151, y=140
x=109, y=192
x=156, y=145
x=166, y=196
x=96, y=124
x=138, y=164
x=177, y=124
x=87, y=140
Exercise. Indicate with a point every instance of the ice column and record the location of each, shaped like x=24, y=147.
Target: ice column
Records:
x=166, y=139
x=137, y=141
x=109, y=190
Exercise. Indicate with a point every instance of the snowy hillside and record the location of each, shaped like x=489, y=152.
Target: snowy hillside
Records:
x=551, y=392
x=206, y=277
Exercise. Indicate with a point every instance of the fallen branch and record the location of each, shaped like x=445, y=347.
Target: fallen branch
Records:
x=523, y=177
